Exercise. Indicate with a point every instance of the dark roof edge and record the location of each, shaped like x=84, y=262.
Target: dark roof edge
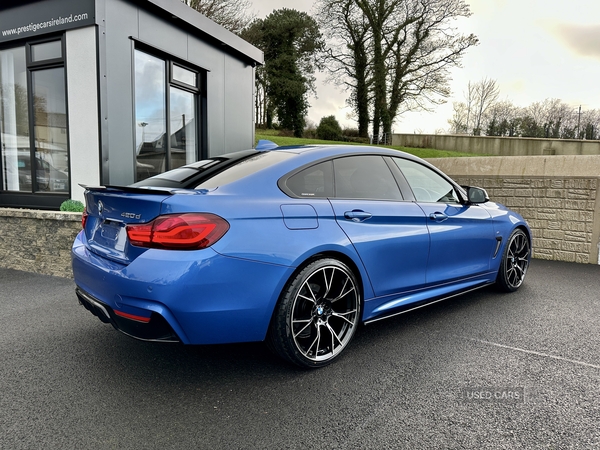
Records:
x=181, y=11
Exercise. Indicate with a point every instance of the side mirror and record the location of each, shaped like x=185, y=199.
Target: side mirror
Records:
x=476, y=195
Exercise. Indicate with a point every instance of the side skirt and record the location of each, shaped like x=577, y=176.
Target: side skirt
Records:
x=420, y=305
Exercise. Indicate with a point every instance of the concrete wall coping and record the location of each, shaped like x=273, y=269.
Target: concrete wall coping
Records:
x=37, y=214
x=515, y=138
x=533, y=166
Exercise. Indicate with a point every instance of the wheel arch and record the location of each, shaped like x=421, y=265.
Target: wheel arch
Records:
x=359, y=274
x=527, y=231
x=344, y=259
x=513, y=265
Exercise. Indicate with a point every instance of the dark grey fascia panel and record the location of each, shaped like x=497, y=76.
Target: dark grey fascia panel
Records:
x=177, y=9
x=32, y=18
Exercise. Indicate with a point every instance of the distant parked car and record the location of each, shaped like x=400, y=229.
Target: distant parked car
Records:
x=293, y=245
x=49, y=179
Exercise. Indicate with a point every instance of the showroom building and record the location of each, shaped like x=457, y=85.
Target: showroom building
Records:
x=113, y=91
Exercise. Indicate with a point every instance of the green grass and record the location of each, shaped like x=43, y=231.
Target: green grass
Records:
x=273, y=135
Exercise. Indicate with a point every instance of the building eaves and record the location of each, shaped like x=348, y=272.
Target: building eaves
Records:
x=180, y=11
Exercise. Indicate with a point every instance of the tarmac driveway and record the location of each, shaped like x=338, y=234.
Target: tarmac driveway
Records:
x=485, y=370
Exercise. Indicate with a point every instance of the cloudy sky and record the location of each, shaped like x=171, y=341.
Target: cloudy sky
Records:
x=534, y=49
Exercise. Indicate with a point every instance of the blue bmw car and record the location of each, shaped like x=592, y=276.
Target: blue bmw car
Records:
x=295, y=246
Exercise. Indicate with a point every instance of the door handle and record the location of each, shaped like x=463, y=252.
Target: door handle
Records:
x=438, y=216
x=357, y=215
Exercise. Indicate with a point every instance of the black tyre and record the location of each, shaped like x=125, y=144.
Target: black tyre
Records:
x=515, y=261
x=317, y=314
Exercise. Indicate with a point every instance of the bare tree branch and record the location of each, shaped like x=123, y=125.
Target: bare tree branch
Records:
x=234, y=15
x=407, y=48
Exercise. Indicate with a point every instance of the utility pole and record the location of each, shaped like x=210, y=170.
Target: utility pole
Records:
x=578, y=121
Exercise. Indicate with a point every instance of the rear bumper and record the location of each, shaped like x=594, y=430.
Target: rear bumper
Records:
x=152, y=328
x=195, y=297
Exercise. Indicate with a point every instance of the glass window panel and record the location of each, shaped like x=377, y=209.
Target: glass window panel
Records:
x=47, y=50
x=14, y=121
x=184, y=76
x=50, y=126
x=244, y=168
x=427, y=186
x=365, y=177
x=314, y=182
x=150, y=115
x=183, y=127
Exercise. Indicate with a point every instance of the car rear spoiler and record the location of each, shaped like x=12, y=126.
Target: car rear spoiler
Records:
x=143, y=190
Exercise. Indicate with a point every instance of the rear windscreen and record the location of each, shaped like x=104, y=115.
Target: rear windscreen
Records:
x=244, y=168
x=190, y=175
x=213, y=172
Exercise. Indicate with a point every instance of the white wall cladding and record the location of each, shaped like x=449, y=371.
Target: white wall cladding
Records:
x=82, y=97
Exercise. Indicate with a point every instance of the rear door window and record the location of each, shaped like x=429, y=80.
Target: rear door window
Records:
x=365, y=177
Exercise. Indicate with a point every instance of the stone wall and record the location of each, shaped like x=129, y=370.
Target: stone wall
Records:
x=498, y=146
x=38, y=241
x=558, y=196
x=560, y=212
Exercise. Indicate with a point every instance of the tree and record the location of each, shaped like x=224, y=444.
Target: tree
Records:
x=410, y=46
x=347, y=54
x=329, y=129
x=460, y=117
x=463, y=112
x=231, y=14
x=471, y=115
x=486, y=93
x=550, y=118
x=290, y=41
x=589, y=124
x=502, y=119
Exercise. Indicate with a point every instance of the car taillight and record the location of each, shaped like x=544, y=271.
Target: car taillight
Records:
x=189, y=231
x=84, y=217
